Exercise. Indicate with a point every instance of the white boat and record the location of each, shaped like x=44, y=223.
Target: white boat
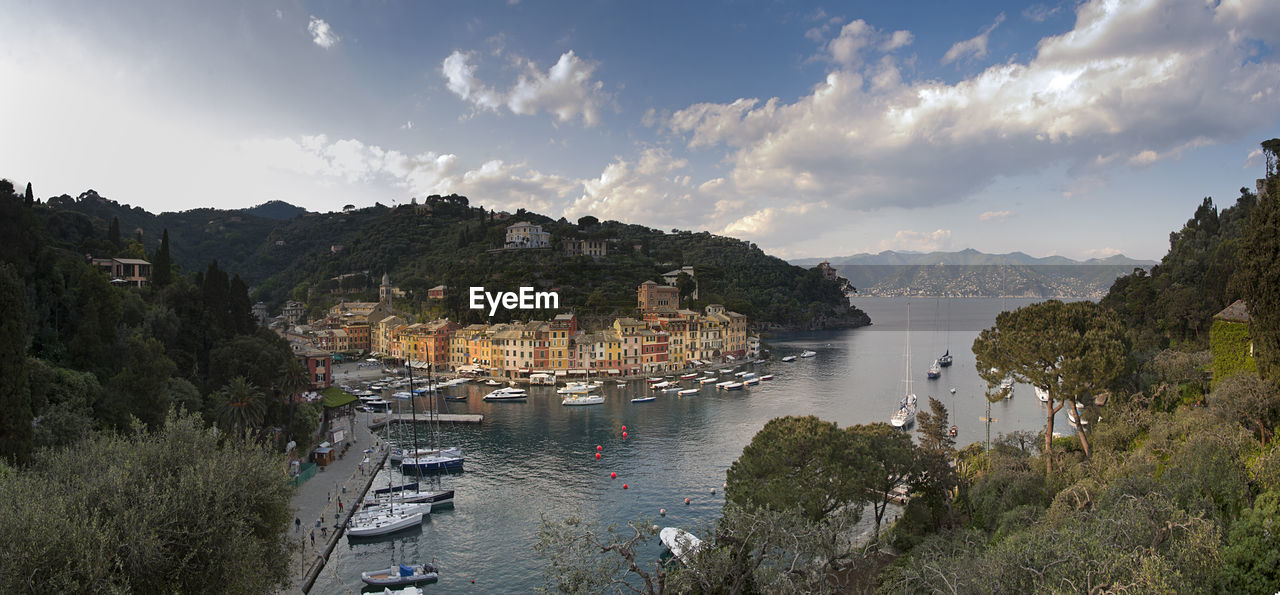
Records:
x=935, y=370
x=681, y=543
x=1006, y=386
x=621, y=383
x=382, y=525
x=707, y=380
x=403, y=574
x=573, y=400
x=788, y=358
x=574, y=388
x=727, y=371
x=751, y=381
x=946, y=359
x=660, y=385
x=388, y=508
x=1075, y=415
x=767, y=377
x=688, y=392
x=643, y=399
x=723, y=384
x=654, y=380
x=403, y=395
x=807, y=353
x=444, y=460
x=492, y=382
x=733, y=386
x=409, y=494
x=507, y=394
x=906, y=413
x=1042, y=394
x=689, y=376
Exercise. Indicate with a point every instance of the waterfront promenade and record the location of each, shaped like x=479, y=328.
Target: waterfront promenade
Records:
x=316, y=504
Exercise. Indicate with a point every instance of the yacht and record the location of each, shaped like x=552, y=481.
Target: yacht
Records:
x=507, y=394
x=573, y=400
x=788, y=358
x=935, y=370
x=382, y=525
x=807, y=353
x=1042, y=394
x=906, y=413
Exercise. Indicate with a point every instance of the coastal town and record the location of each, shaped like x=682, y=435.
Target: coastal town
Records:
x=663, y=338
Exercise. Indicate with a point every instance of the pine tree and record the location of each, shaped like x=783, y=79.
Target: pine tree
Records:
x=161, y=264
x=16, y=433
x=30, y=197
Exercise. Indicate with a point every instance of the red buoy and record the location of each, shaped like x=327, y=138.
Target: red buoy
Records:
x=613, y=475
x=624, y=434
x=624, y=486
x=624, y=428
x=597, y=455
x=599, y=448
x=686, y=500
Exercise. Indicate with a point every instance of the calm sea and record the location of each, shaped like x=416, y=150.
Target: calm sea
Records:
x=537, y=459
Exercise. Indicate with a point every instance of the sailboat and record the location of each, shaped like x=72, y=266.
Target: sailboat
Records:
x=412, y=492
x=945, y=360
x=906, y=413
x=935, y=370
x=433, y=459
x=385, y=518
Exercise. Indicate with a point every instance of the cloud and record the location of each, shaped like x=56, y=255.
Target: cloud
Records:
x=1039, y=13
x=1130, y=84
x=920, y=241
x=407, y=125
x=995, y=215
x=897, y=40
x=322, y=34
x=975, y=47
x=1101, y=252
x=279, y=14
x=848, y=49
x=565, y=90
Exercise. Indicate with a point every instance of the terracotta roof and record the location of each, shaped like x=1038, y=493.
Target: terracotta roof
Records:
x=1236, y=312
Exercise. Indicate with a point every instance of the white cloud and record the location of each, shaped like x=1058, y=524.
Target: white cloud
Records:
x=975, y=47
x=279, y=14
x=1101, y=252
x=919, y=241
x=1130, y=84
x=1039, y=13
x=995, y=215
x=322, y=34
x=897, y=40
x=407, y=125
x=565, y=90
x=848, y=49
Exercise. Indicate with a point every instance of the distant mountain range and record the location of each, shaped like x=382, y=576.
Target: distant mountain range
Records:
x=970, y=273
x=968, y=256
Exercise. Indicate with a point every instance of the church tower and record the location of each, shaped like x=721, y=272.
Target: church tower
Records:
x=384, y=292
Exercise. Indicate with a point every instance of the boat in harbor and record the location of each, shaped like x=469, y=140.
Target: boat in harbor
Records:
x=455, y=397
x=1075, y=415
x=681, y=543
x=751, y=381
x=507, y=394
x=788, y=358
x=688, y=392
x=660, y=385
x=689, y=376
x=727, y=371
x=383, y=509
x=654, y=380
x=492, y=382
x=382, y=525
x=1042, y=394
x=707, y=380
x=807, y=353
x=409, y=494
x=1006, y=387
x=733, y=386
x=935, y=370
x=644, y=399
x=767, y=377
x=575, y=400
x=905, y=415
x=945, y=360
x=721, y=385
x=574, y=388
x=404, y=574
x=622, y=383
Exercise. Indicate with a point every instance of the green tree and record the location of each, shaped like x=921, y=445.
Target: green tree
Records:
x=1251, y=559
x=888, y=460
x=162, y=263
x=1260, y=268
x=586, y=558
x=141, y=388
x=63, y=401
x=175, y=510
x=797, y=462
x=686, y=286
x=587, y=221
x=113, y=232
x=29, y=198
x=1248, y=400
x=1074, y=351
x=16, y=433
x=242, y=408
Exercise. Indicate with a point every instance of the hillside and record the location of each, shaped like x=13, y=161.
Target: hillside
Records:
x=321, y=258
x=970, y=273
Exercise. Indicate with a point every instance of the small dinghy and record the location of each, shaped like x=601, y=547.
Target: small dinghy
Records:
x=403, y=575
x=643, y=399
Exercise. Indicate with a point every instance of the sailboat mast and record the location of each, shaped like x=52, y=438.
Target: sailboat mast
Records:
x=906, y=364
x=413, y=416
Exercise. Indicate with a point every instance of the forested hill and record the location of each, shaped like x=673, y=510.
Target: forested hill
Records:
x=320, y=258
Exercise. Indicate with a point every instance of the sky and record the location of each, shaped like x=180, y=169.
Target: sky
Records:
x=814, y=129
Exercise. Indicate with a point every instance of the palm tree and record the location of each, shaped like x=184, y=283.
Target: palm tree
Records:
x=243, y=407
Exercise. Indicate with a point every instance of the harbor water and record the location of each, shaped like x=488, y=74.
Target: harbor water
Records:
x=535, y=460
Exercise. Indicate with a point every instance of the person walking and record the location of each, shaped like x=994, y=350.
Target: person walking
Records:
x=297, y=524
x=313, y=538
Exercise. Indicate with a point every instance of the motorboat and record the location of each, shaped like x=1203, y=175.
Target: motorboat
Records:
x=807, y=353
x=574, y=388
x=645, y=399
x=455, y=397
x=751, y=381
x=767, y=377
x=622, y=383
x=404, y=574
x=689, y=376
x=573, y=400
x=660, y=385
x=654, y=380
x=935, y=370
x=507, y=394
x=382, y=525
x=681, y=543
x=1042, y=394
x=1006, y=386
x=492, y=382
x=723, y=384
x=727, y=371
x=788, y=358
x=688, y=392
x=733, y=386
x=1075, y=415
x=387, y=508
x=707, y=380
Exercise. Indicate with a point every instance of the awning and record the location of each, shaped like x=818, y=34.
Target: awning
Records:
x=612, y=372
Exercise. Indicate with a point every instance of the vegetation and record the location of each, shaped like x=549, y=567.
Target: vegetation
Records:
x=323, y=258
x=174, y=510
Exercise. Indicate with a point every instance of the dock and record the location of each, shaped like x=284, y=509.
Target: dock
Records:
x=444, y=418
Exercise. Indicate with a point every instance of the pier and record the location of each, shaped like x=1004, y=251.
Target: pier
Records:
x=444, y=418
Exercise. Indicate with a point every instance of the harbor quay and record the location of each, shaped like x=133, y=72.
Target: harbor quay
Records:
x=323, y=503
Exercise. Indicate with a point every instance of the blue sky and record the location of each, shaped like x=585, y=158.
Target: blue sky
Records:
x=813, y=129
